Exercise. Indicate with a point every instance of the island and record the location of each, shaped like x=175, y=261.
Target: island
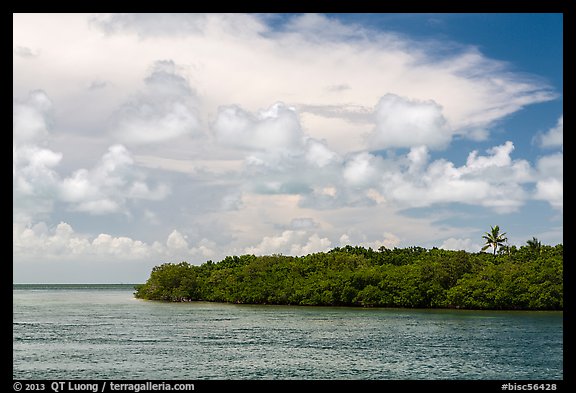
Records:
x=526, y=278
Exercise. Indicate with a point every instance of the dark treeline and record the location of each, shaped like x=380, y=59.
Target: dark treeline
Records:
x=528, y=277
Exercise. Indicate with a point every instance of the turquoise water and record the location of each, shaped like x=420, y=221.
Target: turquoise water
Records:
x=103, y=332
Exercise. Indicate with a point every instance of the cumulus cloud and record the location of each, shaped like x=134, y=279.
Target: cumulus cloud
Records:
x=361, y=170
x=291, y=242
x=275, y=128
x=494, y=181
x=552, y=191
x=37, y=184
x=312, y=53
x=461, y=92
x=177, y=241
x=40, y=240
x=458, y=244
x=31, y=118
x=177, y=246
x=62, y=242
x=355, y=237
x=34, y=176
x=319, y=154
x=402, y=122
x=326, y=180
x=289, y=176
x=550, y=180
x=166, y=109
x=119, y=247
x=554, y=137
x=418, y=158
x=500, y=158
x=280, y=157
x=106, y=187
x=33, y=171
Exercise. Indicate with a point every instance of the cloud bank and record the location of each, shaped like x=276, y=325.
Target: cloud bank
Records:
x=192, y=136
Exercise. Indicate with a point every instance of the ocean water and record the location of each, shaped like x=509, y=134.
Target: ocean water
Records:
x=103, y=332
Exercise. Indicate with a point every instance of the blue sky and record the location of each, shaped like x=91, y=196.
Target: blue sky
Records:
x=140, y=139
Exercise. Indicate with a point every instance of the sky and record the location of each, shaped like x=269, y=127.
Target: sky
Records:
x=141, y=139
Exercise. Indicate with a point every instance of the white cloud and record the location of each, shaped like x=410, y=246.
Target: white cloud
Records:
x=550, y=180
x=34, y=178
x=552, y=191
x=318, y=154
x=291, y=242
x=119, y=247
x=493, y=181
x=32, y=170
x=165, y=110
x=30, y=117
x=39, y=240
x=458, y=244
x=500, y=158
x=554, y=137
x=255, y=133
x=314, y=244
x=294, y=64
x=319, y=28
x=178, y=248
x=36, y=183
x=279, y=156
x=402, y=122
x=151, y=24
x=63, y=243
x=275, y=128
x=109, y=185
x=176, y=241
x=359, y=238
x=360, y=170
x=175, y=25
x=418, y=157
x=551, y=165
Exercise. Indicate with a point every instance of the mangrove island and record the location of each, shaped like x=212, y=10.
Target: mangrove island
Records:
x=526, y=278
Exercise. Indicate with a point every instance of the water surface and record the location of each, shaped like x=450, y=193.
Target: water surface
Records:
x=103, y=332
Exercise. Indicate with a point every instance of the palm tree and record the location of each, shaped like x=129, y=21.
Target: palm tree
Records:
x=534, y=245
x=494, y=239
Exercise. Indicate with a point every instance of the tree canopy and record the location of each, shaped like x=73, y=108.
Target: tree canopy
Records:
x=358, y=276
x=494, y=239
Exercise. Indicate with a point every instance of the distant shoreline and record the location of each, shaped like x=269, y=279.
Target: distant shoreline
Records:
x=72, y=285
x=89, y=286
x=358, y=307
x=527, y=278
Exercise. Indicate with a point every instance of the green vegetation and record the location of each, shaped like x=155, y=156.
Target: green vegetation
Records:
x=494, y=239
x=525, y=278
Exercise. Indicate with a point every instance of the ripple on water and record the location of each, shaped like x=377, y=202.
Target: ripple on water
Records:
x=105, y=334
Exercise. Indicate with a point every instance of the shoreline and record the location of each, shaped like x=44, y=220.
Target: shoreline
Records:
x=357, y=307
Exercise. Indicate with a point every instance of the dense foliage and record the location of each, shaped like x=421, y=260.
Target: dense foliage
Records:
x=517, y=278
